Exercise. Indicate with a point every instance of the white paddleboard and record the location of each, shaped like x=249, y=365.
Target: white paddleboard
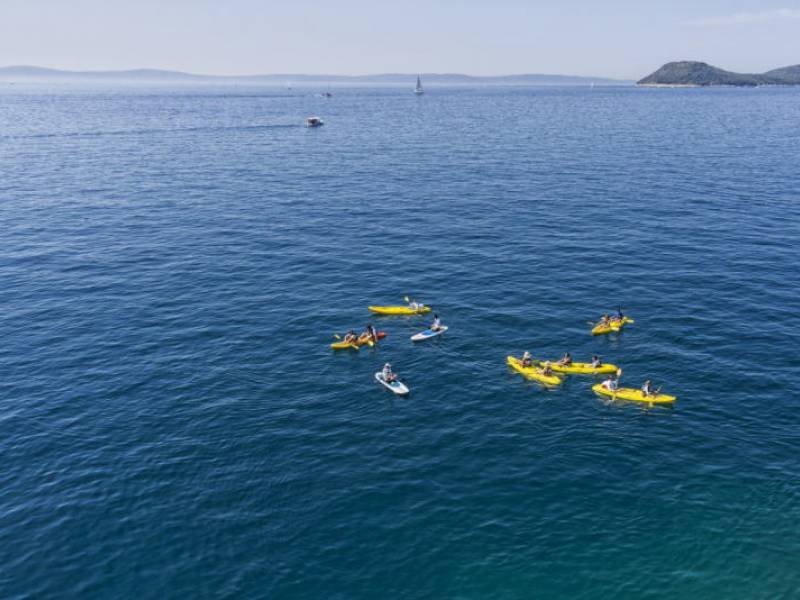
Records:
x=428, y=333
x=397, y=387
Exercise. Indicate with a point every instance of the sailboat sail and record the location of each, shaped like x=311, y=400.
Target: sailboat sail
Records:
x=418, y=89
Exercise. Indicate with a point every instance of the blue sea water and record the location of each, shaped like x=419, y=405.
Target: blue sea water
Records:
x=175, y=262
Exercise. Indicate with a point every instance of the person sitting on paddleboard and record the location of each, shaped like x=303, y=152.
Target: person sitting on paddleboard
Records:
x=596, y=362
x=437, y=323
x=647, y=389
x=611, y=384
x=350, y=337
x=387, y=374
x=546, y=370
x=526, y=359
x=566, y=360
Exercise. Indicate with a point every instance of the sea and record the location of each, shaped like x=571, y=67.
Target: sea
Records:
x=177, y=259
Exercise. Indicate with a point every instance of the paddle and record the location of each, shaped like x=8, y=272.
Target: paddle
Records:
x=619, y=374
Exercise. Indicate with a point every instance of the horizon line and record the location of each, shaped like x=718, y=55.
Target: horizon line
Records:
x=165, y=71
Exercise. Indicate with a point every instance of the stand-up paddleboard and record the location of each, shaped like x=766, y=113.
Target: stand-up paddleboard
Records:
x=428, y=333
x=397, y=387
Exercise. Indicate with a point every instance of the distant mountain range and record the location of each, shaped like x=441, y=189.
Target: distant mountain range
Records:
x=28, y=73
x=692, y=73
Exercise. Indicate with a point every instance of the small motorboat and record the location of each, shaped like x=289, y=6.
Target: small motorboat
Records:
x=314, y=122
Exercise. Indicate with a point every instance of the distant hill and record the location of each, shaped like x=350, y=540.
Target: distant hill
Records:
x=30, y=73
x=692, y=73
x=786, y=75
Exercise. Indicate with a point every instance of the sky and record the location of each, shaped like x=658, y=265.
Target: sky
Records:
x=613, y=38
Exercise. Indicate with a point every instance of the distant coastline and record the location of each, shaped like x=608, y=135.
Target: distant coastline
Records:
x=700, y=74
x=32, y=73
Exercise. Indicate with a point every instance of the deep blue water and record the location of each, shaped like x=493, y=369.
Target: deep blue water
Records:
x=175, y=262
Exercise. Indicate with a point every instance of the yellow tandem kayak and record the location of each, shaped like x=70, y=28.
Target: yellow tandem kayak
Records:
x=612, y=327
x=633, y=395
x=578, y=368
x=399, y=310
x=534, y=373
x=344, y=346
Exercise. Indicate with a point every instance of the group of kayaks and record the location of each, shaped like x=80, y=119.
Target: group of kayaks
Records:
x=548, y=372
x=370, y=337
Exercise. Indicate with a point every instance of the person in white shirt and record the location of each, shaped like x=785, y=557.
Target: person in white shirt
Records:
x=388, y=375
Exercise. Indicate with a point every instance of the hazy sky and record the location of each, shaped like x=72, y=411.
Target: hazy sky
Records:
x=616, y=38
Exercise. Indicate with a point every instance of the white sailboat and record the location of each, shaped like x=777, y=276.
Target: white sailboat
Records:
x=418, y=90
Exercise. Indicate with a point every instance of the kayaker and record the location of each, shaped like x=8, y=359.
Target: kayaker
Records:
x=350, y=337
x=611, y=384
x=604, y=320
x=437, y=323
x=527, y=361
x=371, y=333
x=387, y=374
x=546, y=370
x=596, y=362
x=566, y=360
x=647, y=389
x=414, y=305
x=620, y=316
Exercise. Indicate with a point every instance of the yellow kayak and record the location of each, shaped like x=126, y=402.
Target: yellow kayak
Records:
x=399, y=310
x=633, y=395
x=612, y=327
x=578, y=368
x=534, y=373
x=344, y=346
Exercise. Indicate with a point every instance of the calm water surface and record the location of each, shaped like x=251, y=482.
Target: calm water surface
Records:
x=175, y=262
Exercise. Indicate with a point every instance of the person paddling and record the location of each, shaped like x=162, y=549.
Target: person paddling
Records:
x=350, y=337
x=566, y=360
x=387, y=374
x=527, y=361
x=611, y=384
x=647, y=389
x=546, y=370
x=371, y=333
x=596, y=362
